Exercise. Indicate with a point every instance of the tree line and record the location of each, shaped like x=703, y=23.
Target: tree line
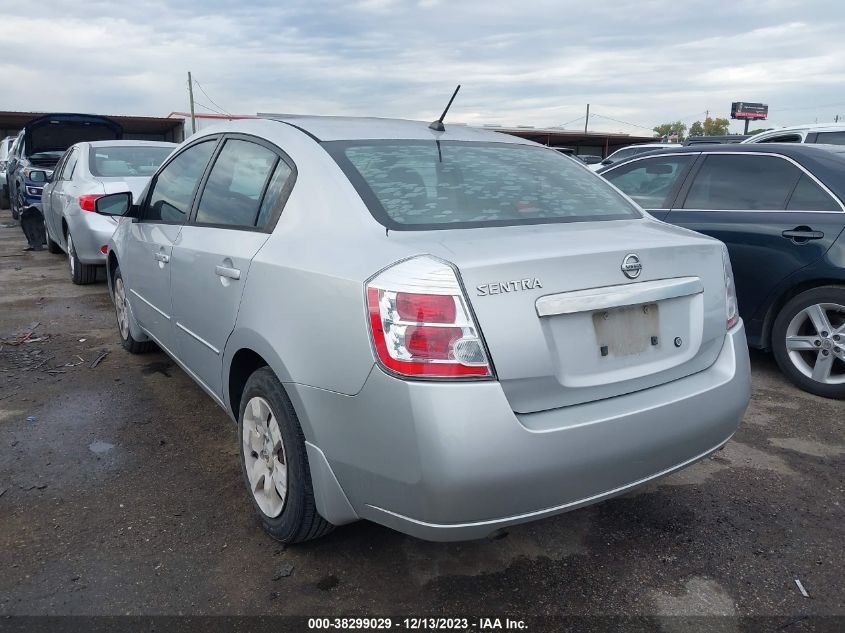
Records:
x=718, y=126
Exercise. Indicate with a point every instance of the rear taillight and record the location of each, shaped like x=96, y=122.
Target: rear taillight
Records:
x=86, y=202
x=420, y=322
x=732, y=308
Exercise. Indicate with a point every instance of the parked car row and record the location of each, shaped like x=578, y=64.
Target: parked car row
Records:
x=28, y=168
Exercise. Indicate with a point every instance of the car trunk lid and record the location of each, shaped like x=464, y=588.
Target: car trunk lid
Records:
x=565, y=325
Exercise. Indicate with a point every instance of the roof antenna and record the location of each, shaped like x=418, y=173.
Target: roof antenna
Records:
x=437, y=125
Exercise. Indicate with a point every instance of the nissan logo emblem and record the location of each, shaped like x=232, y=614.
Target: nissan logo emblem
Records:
x=631, y=266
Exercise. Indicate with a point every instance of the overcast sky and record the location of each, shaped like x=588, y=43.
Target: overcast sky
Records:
x=532, y=62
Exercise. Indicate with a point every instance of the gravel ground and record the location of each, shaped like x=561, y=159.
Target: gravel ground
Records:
x=120, y=493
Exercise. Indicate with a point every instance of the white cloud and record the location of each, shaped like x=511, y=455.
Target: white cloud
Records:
x=534, y=63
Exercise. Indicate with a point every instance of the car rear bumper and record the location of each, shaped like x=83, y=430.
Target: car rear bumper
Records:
x=447, y=461
x=90, y=233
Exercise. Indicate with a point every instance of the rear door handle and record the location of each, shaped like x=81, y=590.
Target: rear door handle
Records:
x=225, y=271
x=802, y=234
x=162, y=257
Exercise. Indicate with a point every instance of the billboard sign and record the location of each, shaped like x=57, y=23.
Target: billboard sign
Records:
x=744, y=110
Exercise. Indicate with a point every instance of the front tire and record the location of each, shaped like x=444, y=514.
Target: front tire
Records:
x=80, y=274
x=124, y=316
x=274, y=462
x=808, y=341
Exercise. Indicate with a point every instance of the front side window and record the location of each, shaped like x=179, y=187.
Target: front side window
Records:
x=808, y=196
x=174, y=187
x=126, y=161
x=742, y=183
x=232, y=194
x=650, y=181
x=419, y=185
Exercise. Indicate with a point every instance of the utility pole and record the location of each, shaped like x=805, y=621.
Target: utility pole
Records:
x=191, y=95
x=587, y=120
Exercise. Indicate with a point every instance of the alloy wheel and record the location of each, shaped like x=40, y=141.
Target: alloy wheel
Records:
x=264, y=457
x=815, y=342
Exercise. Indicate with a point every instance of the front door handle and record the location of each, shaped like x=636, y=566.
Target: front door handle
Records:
x=162, y=257
x=225, y=271
x=802, y=234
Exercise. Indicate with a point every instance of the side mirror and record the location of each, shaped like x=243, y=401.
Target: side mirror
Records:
x=607, y=161
x=114, y=204
x=38, y=175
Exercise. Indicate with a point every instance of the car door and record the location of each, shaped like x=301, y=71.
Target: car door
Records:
x=59, y=196
x=774, y=217
x=47, y=197
x=145, y=264
x=652, y=182
x=232, y=219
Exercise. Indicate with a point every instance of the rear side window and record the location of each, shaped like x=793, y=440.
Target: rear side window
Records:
x=650, y=181
x=126, y=161
x=742, y=183
x=783, y=138
x=418, y=185
x=233, y=191
x=279, y=184
x=808, y=196
x=174, y=187
x=832, y=138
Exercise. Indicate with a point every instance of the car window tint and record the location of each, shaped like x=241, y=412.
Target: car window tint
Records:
x=753, y=183
x=174, y=187
x=121, y=161
x=233, y=191
x=650, y=181
x=832, y=138
x=281, y=176
x=422, y=185
x=70, y=165
x=784, y=138
x=808, y=196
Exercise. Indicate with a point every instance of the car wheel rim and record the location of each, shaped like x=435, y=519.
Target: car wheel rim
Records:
x=815, y=342
x=121, y=309
x=264, y=457
x=71, y=254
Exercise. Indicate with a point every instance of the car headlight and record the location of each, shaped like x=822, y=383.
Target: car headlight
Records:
x=34, y=191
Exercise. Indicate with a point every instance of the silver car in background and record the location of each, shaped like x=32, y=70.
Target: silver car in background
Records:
x=445, y=332
x=5, y=150
x=85, y=172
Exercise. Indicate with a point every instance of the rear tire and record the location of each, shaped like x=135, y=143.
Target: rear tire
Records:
x=808, y=341
x=123, y=314
x=275, y=463
x=80, y=274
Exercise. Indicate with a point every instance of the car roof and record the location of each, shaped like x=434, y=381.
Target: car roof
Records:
x=810, y=127
x=129, y=143
x=342, y=128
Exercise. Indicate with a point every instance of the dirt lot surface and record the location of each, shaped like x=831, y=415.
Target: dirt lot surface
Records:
x=120, y=493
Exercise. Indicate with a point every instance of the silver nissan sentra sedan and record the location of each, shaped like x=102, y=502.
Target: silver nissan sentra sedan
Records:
x=444, y=332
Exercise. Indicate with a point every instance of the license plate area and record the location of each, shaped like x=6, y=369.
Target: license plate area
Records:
x=627, y=331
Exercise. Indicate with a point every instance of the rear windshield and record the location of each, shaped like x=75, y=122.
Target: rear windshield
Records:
x=122, y=161
x=418, y=185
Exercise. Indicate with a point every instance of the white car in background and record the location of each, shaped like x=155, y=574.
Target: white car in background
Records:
x=88, y=171
x=827, y=133
x=629, y=151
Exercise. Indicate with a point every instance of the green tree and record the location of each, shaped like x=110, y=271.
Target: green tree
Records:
x=759, y=129
x=711, y=127
x=672, y=127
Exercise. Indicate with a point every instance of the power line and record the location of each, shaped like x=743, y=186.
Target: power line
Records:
x=210, y=109
x=572, y=121
x=624, y=122
x=199, y=85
